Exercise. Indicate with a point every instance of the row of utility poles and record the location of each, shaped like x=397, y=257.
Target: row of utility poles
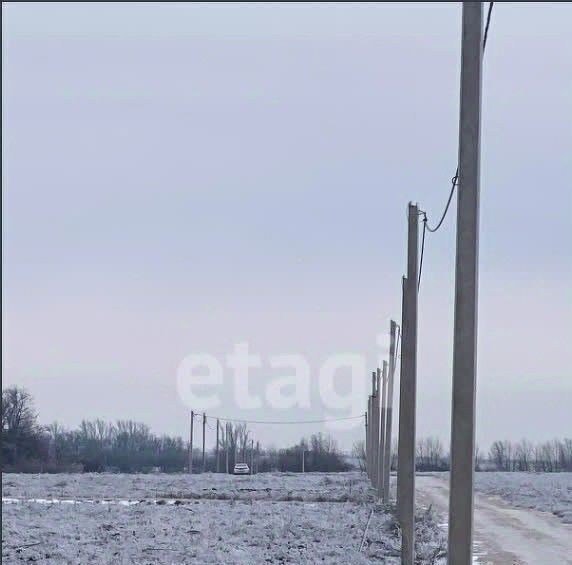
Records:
x=380, y=404
x=378, y=416
x=254, y=453
x=378, y=421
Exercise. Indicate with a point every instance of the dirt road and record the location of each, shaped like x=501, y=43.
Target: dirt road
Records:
x=503, y=534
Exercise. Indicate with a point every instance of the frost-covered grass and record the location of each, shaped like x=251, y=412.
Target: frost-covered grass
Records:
x=325, y=487
x=267, y=518
x=548, y=492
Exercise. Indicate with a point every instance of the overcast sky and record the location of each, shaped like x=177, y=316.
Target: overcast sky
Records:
x=179, y=178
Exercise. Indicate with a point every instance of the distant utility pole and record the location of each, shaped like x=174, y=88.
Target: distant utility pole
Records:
x=466, y=286
x=372, y=426
x=407, y=400
x=375, y=425
x=389, y=410
x=217, y=447
x=191, y=444
x=226, y=436
x=381, y=443
x=401, y=435
x=251, y=456
x=257, y=455
x=366, y=436
x=204, y=428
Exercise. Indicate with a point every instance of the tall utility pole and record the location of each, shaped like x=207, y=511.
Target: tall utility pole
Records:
x=377, y=416
x=217, y=447
x=204, y=428
x=375, y=427
x=372, y=420
x=191, y=443
x=401, y=434
x=368, y=439
x=389, y=410
x=407, y=401
x=366, y=436
x=466, y=286
x=303, y=461
x=382, y=461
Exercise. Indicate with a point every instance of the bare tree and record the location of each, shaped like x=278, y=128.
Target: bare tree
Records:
x=358, y=452
x=500, y=454
x=19, y=423
x=430, y=454
x=242, y=434
x=523, y=452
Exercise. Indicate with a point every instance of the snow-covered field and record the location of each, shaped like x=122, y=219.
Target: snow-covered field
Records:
x=266, y=518
x=548, y=492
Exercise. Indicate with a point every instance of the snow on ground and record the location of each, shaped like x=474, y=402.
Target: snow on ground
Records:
x=548, y=492
x=334, y=487
x=266, y=518
x=502, y=532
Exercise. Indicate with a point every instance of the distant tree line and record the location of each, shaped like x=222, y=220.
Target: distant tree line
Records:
x=128, y=446
x=318, y=453
x=96, y=445
x=548, y=457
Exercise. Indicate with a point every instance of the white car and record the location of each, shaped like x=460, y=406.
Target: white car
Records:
x=241, y=469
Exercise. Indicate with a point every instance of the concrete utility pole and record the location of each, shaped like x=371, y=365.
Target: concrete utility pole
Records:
x=401, y=434
x=375, y=426
x=369, y=434
x=217, y=447
x=303, y=461
x=251, y=456
x=257, y=455
x=235, y=452
x=226, y=447
x=389, y=410
x=204, y=428
x=191, y=444
x=466, y=287
x=383, y=413
x=407, y=401
x=376, y=415
x=366, y=435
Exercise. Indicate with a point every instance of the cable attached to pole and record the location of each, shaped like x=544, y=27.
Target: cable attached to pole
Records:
x=454, y=182
x=455, y=179
x=422, y=250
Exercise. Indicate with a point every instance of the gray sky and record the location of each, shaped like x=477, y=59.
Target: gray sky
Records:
x=178, y=178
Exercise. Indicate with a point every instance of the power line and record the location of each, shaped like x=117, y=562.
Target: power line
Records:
x=444, y=214
x=489, y=14
x=397, y=344
x=455, y=179
x=284, y=422
x=422, y=252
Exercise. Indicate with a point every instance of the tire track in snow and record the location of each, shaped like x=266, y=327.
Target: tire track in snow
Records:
x=505, y=535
